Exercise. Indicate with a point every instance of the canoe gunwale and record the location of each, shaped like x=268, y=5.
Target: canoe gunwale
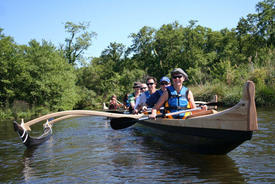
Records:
x=241, y=117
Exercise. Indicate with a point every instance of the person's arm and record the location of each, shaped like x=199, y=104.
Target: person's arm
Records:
x=191, y=100
x=158, y=105
x=132, y=101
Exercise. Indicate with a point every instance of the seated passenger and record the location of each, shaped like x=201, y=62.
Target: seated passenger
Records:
x=178, y=97
x=153, y=99
x=133, y=96
x=151, y=83
x=143, y=89
x=114, y=103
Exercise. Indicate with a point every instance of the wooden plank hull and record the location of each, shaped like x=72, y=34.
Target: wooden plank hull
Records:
x=201, y=140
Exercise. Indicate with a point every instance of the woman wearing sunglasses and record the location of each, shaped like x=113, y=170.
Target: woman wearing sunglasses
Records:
x=177, y=96
x=164, y=83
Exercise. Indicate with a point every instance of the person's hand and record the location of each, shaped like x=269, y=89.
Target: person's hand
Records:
x=135, y=111
x=204, y=107
x=144, y=109
x=153, y=115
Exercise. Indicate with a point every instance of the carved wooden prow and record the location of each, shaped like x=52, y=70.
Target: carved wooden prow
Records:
x=249, y=97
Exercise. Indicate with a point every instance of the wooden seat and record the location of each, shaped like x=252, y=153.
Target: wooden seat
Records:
x=201, y=113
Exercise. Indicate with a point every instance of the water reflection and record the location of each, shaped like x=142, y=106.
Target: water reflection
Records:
x=33, y=158
x=28, y=171
x=206, y=168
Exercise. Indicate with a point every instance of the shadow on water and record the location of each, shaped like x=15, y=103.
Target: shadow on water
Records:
x=207, y=168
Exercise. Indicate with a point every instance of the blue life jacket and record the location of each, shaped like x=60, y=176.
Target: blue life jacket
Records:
x=177, y=102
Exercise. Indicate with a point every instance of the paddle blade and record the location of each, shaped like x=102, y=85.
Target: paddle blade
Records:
x=121, y=123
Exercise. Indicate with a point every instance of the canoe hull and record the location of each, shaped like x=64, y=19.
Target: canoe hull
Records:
x=200, y=140
x=216, y=133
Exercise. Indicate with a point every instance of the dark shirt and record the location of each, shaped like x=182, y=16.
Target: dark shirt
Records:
x=153, y=99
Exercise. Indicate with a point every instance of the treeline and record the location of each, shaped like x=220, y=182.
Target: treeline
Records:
x=39, y=77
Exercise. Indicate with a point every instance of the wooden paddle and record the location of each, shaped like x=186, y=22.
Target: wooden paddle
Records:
x=125, y=122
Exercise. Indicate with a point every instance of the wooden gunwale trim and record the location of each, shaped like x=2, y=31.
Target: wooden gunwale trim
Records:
x=240, y=117
x=212, y=121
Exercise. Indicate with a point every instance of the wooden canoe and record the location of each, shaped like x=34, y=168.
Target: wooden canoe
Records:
x=215, y=133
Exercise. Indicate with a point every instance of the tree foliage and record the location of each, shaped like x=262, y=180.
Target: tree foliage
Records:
x=78, y=41
x=36, y=74
x=42, y=75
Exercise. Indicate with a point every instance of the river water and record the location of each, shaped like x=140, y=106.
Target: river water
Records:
x=87, y=150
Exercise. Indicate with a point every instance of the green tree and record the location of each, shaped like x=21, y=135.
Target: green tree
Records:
x=8, y=58
x=265, y=21
x=46, y=78
x=142, y=48
x=78, y=41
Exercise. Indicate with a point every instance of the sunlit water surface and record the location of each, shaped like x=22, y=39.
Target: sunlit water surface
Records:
x=87, y=150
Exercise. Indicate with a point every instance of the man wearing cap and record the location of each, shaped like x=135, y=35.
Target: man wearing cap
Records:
x=133, y=96
x=164, y=82
x=177, y=96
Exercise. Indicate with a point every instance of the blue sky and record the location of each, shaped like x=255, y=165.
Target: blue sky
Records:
x=113, y=20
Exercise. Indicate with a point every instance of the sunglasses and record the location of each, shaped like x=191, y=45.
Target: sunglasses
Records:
x=177, y=76
x=143, y=88
x=164, y=83
x=150, y=84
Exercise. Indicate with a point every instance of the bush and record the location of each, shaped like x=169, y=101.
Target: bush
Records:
x=265, y=96
x=5, y=114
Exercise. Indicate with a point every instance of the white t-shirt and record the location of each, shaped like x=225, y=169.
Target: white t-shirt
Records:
x=141, y=100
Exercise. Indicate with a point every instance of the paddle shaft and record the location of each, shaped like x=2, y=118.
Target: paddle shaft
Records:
x=172, y=113
x=125, y=122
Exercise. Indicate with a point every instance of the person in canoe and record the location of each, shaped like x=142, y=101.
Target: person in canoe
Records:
x=151, y=83
x=114, y=104
x=143, y=89
x=133, y=96
x=177, y=97
x=153, y=99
